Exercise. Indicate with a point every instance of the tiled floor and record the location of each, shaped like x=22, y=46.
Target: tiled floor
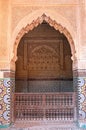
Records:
x=58, y=126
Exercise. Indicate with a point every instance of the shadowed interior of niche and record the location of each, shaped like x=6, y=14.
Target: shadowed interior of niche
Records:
x=44, y=61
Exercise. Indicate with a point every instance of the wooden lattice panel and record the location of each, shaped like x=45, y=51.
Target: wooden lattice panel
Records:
x=47, y=106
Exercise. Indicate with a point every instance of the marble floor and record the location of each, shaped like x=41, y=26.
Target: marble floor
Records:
x=43, y=126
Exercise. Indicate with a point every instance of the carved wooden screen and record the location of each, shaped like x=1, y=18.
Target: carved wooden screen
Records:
x=44, y=61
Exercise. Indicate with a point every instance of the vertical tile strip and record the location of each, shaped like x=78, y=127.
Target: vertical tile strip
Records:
x=6, y=96
x=82, y=101
x=80, y=88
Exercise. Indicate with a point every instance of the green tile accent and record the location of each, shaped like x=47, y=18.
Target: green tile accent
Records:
x=5, y=126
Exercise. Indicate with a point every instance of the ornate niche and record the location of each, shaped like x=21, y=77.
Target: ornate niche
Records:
x=44, y=61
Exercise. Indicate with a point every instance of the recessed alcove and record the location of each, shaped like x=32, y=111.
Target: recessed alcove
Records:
x=44, y=61
x=44, y=77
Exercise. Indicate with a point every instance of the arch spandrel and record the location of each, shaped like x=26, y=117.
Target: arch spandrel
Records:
x=28, y=25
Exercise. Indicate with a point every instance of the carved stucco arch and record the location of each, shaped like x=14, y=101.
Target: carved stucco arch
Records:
x=34, y=24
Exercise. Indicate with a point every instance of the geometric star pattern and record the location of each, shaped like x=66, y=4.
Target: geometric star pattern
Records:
x=82, y=100
x=6, y=86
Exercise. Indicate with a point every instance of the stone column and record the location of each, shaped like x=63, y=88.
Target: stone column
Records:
x=7, y=83
x=80, y=88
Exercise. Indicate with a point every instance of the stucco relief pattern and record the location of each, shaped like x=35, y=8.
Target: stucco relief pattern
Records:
x=6, y=85
x=37, y=22
x=82, y=99
x=25, y=10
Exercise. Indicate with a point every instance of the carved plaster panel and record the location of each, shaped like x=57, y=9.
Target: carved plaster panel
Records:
x=52, y=23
